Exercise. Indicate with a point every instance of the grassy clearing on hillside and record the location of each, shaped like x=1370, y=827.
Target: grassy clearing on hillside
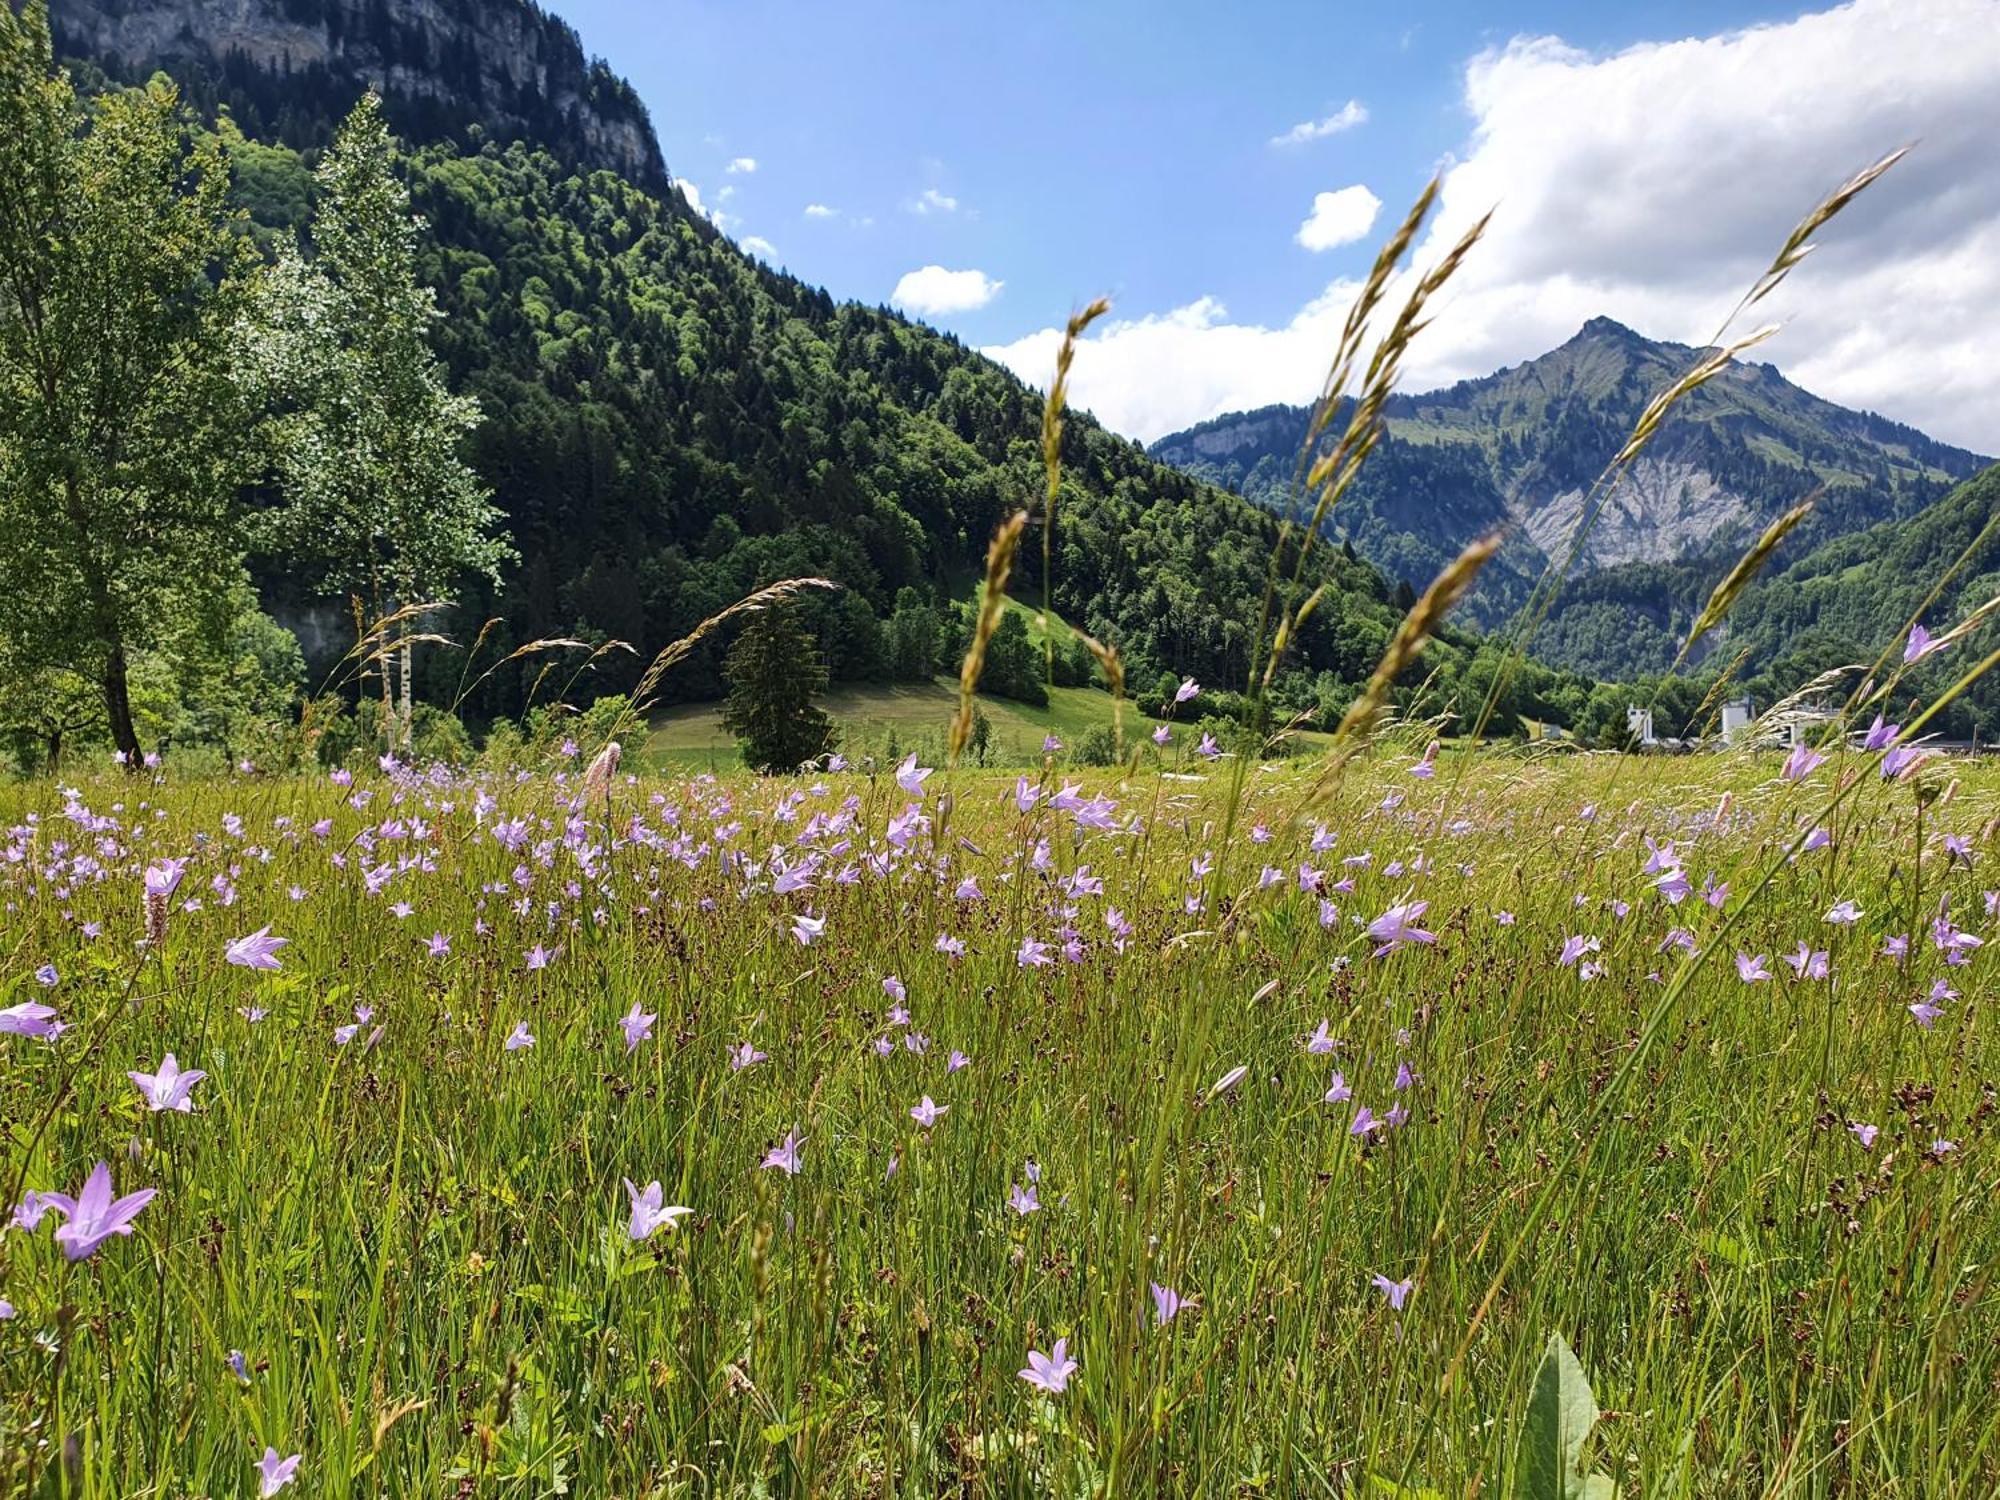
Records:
x=691, y=737
x=1482, y=1035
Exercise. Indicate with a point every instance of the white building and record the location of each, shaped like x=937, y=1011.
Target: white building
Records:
x=1737, y=716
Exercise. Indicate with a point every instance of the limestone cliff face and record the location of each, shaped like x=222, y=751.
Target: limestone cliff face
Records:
x=470, y=69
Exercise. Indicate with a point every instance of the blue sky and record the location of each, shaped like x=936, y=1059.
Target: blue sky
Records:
x=1128, y=149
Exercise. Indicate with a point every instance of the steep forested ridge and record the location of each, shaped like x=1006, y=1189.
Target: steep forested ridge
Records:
x=670, y=425
x=1521, y=447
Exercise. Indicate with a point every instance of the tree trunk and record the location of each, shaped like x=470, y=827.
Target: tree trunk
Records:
x=118, y=705
x=407, y=723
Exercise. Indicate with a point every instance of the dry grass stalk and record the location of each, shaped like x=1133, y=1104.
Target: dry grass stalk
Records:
x=1114, y=674
x=641, y=700
x=1711, y=364
x=1332, y=474
x=1797, y=247
x=992, y=602
x=1747, y=567
x=1418, y=626
x=1052, y=427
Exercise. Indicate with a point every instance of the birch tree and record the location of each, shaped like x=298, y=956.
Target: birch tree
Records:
x=376, y=498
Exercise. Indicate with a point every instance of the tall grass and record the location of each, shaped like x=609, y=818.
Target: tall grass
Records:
x=417, y=1240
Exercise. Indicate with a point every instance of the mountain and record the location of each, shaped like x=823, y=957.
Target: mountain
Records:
x=1520, y=449
x=671, y=424
x=468, y=71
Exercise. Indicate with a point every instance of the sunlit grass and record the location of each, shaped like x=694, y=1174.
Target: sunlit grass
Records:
x=420, y=1243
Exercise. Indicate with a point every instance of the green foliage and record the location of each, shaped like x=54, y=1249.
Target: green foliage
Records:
x=365, y=440
x=119, y=448
x=1561, y=1412
x=774, y=670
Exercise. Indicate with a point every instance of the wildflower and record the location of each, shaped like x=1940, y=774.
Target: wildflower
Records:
x=1843, y=914
x=438, y=945
x=785, y=1157
x=94, y=1216
x=893, y=988
x=238, y=1366
x=1575, y=947
x=274, y=1473
x=1880, y=735
x=1921, y=644
x=170, y=1088
x=1406, y=1077
x=1161, y=734
x=911, y=777
x=637, y=1024
x=1050, y=1372
x=519, y=1037
x=1051, y=745
x=1395, y=1291
x=252, y=1013
x=1674, y=885
x=1365, y=1124
x=257, y=951
x=1750, y=969
x=1227, y=1081
x=30, y=1018
x=1022, y=1200
x=1398, y=926
x=927, y=1113
x=1901, y=761
x=744, y=1056
x=1802, y=762
x=1321, y=1040
x=1865, y=1134
x=1940, y=1148
x=650, y=1211
x=1339, y=1093
x=1818, y=839
x=1188, y=688
x=1926, y=1014
x=956, y=1061
x=1032, y=953
x=538, y=957
x=1808, y=962
x=1208, y=749
x=1167, y=1304
x=1426, y=768
x=805, y=929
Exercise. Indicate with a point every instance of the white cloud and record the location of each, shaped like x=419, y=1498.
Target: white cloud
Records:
x=1349, y=115
x=741, y=164
x=935, y=290
x=931, y=201
x=756, y=244
x=724, y=193
x=820, y=211
x=1652, y=185
x=1339, y=218
x=692, y=193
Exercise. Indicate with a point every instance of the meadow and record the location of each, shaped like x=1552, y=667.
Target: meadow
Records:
x=1243, y=1129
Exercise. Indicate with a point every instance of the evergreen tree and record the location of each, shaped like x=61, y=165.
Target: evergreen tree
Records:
x=774, y=669
x=117, y=414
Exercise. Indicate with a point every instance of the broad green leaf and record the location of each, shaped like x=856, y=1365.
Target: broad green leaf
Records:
x=1561, y=1413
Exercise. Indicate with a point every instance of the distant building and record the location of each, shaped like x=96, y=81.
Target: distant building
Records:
x=1737, y=716
x=1639, y=725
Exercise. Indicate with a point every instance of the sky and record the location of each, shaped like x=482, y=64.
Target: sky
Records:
x=1225, y=172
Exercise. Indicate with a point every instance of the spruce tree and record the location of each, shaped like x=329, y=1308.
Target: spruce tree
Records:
x=774, y=670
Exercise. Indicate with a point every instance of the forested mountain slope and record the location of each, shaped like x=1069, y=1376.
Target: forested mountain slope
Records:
x=671, y=424
x=1521, y=448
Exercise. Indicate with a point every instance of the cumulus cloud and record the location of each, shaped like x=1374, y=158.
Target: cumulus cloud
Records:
x=931, y=201
x=756, y=244
x=820, y=211
x=1652, y=185
x=1339, y=218
x=743, y=165
x=1349, y=115
x=935, y=290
